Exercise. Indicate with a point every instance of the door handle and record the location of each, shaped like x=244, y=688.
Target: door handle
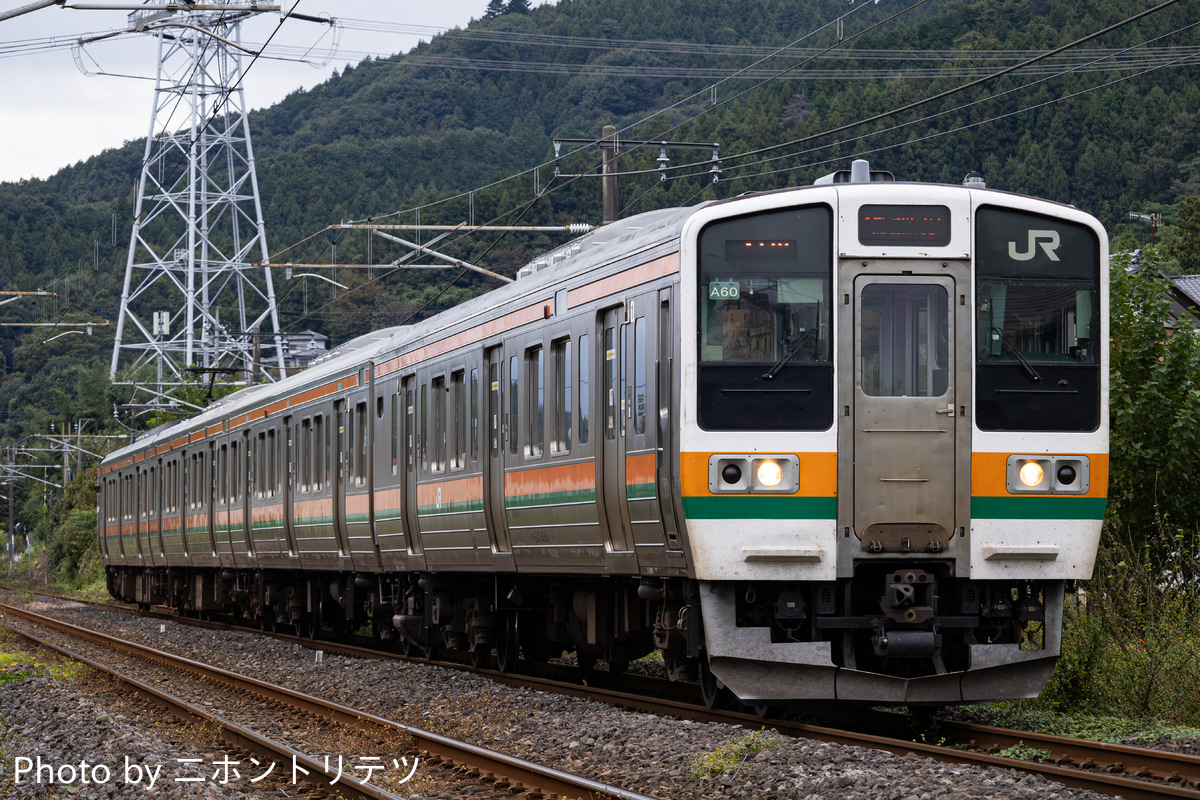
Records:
x=947, y=410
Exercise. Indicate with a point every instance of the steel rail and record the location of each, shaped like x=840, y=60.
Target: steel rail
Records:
x=1092, y=759
x=518, y=772
x=236, y=736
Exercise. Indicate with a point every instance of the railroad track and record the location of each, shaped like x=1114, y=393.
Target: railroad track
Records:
x=1131, y=772
x=506, y=774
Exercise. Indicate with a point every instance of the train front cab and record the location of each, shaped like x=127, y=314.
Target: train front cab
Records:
x=876, y=370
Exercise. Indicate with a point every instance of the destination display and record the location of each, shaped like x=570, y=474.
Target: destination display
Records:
x=907, y=226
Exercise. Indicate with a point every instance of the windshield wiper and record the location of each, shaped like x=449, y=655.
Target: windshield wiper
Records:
x=1025, y=365
x=787, y=356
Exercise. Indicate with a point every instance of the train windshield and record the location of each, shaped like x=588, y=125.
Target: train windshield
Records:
x=764, y=341
x=1037, y=322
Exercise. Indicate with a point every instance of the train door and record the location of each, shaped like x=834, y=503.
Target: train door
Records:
x=668, y=444
x=291, y=435
x=906, y=427
x=613, y=409
x=340, y=476
x=644, y=456
x=409, y=445
x=493, y=463
x=240, y=484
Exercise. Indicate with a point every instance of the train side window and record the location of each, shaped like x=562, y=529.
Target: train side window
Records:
x=260, y=463
x=222, y=473
x=625, y=400
x=395, y=432
x=639, y=375
x=561, y=355
x=437, y=445
x=458, y=412
x=305, y=459
x=360, y=444
x=351, y=460
x=272, y=462
x=493, y=409
x=474, y=415
x=536, y=383
x=423, y=444
x=408, y=429
x=610, y=385
x=236, y=469
x=514, y=371
x=318, y=453
x=585, y=381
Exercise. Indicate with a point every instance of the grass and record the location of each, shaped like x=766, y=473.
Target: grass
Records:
x=728, y=759
x=1130, y=665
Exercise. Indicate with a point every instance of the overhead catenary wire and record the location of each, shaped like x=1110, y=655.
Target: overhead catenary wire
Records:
x=1042, y=56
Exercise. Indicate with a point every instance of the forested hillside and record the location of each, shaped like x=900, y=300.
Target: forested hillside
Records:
x=482, y=103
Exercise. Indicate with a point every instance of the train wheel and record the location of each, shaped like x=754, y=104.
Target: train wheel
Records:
x=762, y=711
x=314, y=622
x=508, y=643
x=710, y=687
x=481, y=656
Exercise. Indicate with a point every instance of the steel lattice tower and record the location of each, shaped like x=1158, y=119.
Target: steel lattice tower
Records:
x=198, y=226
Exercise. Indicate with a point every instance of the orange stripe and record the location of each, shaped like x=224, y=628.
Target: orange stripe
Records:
x=989, y=477
x=309, y=509
x=267, y=514
x=564, y=478
x=392, y=498
x=818, y=474
x=513, y=319
x=643, y=273
x=358, y=504
x=639, y=469
x=460, y=490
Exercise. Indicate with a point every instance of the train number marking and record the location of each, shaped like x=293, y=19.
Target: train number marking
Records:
x=724, y=291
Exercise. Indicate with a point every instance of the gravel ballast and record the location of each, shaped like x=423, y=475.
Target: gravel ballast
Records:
x=640, y=752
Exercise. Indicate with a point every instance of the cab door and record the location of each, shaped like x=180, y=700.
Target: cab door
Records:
x=906, y=403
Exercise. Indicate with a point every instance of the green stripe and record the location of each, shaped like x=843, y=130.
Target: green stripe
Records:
x=740, y=506
x=550, y=498
x=640, y=491
x=459, y=507
x=1041, y=507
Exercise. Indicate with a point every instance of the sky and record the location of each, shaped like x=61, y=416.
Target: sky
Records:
x=53, y=115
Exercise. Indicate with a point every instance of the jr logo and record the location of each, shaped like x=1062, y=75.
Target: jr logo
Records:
x=1048, y=240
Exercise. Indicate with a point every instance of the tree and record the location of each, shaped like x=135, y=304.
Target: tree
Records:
x=518, y=7
x=1184, y=242
x=494, y=9
x=1154, y=467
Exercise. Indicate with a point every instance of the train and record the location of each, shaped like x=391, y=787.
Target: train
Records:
x=842, y=442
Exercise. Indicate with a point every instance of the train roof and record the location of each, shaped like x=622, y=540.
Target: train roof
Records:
x=584, y=254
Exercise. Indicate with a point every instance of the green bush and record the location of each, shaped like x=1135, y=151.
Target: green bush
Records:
x=1129, y=645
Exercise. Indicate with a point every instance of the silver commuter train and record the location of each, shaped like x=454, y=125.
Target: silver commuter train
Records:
x=841, y=442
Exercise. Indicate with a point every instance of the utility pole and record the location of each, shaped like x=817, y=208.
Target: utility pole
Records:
x=609, y=183
x=610, y=147
x=1155, y=219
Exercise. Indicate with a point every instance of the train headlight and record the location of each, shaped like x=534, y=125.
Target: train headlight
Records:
x=748, y=473
x=1032, y=474
x=770, y=473
x=1048, y=474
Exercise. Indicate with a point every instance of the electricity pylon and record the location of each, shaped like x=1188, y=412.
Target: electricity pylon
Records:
x=198, y=226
